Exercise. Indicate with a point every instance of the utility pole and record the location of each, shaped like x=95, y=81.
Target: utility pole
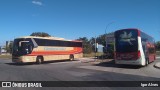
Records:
x=95, y=47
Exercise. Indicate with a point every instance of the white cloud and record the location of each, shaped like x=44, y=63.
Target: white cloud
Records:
x=37, y=3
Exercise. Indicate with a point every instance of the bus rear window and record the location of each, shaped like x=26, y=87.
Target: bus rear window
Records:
x=126, y=41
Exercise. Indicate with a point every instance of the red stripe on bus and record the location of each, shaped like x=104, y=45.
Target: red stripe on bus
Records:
x=74, y=51
x=52, y=54
x=139, y=33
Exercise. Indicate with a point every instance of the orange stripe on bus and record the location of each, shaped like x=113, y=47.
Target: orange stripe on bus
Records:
x=74, y=51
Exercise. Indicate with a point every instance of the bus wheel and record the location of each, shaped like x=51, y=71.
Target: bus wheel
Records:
x=71, y=57
x=39, y=60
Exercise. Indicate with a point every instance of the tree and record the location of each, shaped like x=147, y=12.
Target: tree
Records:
x=40, y=34
x=101, y=39
x=87, y=47
x=158, y=45
x=8, y=48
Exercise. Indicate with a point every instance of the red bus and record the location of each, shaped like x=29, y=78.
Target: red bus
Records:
x=134, y=47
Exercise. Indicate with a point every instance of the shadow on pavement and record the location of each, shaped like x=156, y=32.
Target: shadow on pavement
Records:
x=112, y=64
x=46, y=62
x=103, y=57
x=57, y=61
x=20, y=64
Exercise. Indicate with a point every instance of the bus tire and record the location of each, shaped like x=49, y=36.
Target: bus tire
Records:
x=71, y=57
x=39, y=60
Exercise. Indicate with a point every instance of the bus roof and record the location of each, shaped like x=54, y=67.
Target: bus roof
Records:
x=135, y=29
x=128, y=29
x=51, y=38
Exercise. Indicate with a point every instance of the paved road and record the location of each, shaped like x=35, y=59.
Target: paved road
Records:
x=77, y=71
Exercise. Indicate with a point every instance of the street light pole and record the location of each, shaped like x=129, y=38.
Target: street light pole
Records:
x=106, y=35
x=105, y=31
x=107, y=27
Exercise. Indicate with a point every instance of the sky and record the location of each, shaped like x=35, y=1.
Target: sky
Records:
x=71, y=19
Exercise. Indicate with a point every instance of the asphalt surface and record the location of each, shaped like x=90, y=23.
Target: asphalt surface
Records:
x=78, y=70
x=157, y=64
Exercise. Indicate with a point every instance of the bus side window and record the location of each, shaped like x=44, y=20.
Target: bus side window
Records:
x=30, y=48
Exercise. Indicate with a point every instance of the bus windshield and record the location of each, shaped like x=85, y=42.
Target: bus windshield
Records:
x=22, y=47
x=126, y=41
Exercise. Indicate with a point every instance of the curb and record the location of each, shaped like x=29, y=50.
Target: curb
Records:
x=5, y=58
x=157, y=65
x=95, y=60
x=158, y=57
x=87, y=60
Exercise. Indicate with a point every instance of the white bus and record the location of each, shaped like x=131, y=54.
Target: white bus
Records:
x=133, y=46
x=40, y=49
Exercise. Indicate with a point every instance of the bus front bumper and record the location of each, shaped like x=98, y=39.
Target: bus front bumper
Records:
x=22, y=59
x=17, y=59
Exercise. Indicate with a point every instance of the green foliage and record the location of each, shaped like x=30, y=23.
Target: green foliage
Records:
x=40, y=34
x=8, y=48
x=100, y=39
x=110, y=50
x=87, y=47
x=88, y=44
x=111, y=47
x=158, y=45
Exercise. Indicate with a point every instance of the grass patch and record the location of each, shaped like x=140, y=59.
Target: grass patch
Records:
x=5, y=56
x=158, y=53
x=93, y=54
